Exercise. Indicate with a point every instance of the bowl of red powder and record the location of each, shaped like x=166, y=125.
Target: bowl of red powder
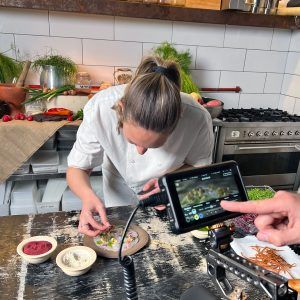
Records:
x=37, y=249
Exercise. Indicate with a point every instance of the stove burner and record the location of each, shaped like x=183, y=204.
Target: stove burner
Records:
x=257, y=115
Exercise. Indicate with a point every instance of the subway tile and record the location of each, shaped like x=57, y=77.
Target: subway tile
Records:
x=293, y=63
x=259, y=100
x=31, y=47
x=281, y=39
x=265, y=61
x=230, y=100
x=111, y=53
x=98, y=73
x=24, y=21
x=210, y=58
x=248, y=37
x=204, y=78
x=295, y=41
x=148, y=50
x=249, y=82
x=142, y=30
x=81, y=25
x=287, y=103
x=198, y=34
x=7, y=44
x=290, y=85
x=273, y=83
x=297, y=107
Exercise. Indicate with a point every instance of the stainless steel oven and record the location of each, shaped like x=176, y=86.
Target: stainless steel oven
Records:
x=268, y=153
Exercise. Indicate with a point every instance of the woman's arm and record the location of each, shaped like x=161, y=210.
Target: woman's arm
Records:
x=79, y=182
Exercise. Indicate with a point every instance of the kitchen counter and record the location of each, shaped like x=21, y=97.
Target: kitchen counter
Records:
x=164, y=269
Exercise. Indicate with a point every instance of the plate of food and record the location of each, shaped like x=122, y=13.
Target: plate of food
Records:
x=107, y=243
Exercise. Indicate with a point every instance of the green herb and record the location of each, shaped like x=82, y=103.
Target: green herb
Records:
x=259, y=193
x=79, y=115
x=38, y=94
x=65, y=67
x=184, y=60
x=9, y=68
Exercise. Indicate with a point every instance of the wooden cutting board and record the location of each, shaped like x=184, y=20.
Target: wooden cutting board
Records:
x=210, y=4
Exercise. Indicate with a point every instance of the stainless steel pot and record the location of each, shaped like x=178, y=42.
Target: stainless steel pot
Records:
x=50, y=78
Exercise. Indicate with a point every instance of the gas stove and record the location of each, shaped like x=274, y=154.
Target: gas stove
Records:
x=260, y=125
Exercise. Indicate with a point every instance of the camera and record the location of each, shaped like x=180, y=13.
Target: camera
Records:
x=193, y=197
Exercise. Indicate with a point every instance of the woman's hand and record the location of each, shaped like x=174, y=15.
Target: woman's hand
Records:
x=87, y=224
x=278, y=220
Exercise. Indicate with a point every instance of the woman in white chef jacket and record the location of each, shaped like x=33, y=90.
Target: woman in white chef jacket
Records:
x=138, y=132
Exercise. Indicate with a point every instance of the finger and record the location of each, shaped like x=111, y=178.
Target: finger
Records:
x=150, y=184
x=276, y=237
x=90, y=220
x=145, y=196
x=102, y=213
x=87, y=230
x=266, y=206
x=160, y=207
x=263, y=221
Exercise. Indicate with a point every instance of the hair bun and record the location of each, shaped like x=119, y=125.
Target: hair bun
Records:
x=169, y=73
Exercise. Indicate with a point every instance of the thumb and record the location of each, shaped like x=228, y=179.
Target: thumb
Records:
x=274, y=236
x=102, y=213
x=151, y=183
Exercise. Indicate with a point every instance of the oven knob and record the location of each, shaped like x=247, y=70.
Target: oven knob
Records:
x=274, y=133
x=297, y=132
x=251, y=133
x=267, y=133
x=291, y=133
x=259, y=133
x=281, y=133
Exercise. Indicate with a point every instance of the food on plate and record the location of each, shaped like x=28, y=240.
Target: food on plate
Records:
x=213, y=103
x=110, y=240
x=37, y=247
x=269, y=259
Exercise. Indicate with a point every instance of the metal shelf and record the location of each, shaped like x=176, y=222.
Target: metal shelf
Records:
x=32, y=176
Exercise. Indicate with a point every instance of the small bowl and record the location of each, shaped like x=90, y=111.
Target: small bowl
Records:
x=214, y=111
x=86, y=252
x=37, y=259
x=200, y=234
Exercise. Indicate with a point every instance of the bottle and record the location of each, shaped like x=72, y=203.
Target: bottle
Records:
x=83, y=80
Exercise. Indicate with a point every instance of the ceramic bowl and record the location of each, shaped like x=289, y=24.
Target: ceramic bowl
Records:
x=37, y=259
x=200, y=234
x=88, y=254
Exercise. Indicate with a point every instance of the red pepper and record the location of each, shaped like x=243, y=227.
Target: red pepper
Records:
x=59, y=111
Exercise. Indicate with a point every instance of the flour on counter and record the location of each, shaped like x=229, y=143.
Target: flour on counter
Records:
x=75, y=259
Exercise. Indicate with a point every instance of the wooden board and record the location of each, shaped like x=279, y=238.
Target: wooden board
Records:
x=142, y=242
x=210, y=4
x=289, y=11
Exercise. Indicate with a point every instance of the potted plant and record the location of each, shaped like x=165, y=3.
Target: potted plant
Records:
x=57, y=70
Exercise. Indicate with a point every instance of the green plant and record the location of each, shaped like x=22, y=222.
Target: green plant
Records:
x=9, y=68
x=65, y=67
x=260, y=193
x=184, y=59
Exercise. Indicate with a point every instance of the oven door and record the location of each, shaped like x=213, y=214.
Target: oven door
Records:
x=273, y=164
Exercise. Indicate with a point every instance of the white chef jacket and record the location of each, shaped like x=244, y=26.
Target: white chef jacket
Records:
x=124, y=170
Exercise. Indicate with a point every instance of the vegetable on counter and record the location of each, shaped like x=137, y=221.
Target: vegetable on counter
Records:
x=79, y=115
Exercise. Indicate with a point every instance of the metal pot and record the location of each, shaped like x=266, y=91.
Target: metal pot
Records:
x=50, y=78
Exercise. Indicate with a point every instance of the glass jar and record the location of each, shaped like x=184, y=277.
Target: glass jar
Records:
x=83, y=80
x=123, y=75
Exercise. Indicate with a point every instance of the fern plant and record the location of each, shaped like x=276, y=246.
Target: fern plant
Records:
x=184, y=59
x=9, y=68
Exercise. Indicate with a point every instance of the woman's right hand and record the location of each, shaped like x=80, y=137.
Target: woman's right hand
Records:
x=87, y=224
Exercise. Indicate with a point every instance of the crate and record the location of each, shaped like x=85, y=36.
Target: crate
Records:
x=210, y=4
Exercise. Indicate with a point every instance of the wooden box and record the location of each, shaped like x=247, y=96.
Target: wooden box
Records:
x=208, y=4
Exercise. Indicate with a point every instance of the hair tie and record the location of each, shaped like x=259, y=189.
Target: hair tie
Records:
x=169, y=73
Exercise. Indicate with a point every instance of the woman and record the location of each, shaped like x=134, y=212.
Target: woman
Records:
x=137, y=132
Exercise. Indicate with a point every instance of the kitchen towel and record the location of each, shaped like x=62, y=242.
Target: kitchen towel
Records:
x=19, y=140
x=243, y=247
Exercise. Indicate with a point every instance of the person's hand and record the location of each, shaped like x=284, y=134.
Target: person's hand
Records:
x=87, y=224
x=278, y=220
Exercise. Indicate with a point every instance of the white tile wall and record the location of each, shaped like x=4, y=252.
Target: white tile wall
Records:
x=111, y=53
x=281, y=40
x=141, y=30
x=7, y=44
x=24, y=21
x=230, y=59
x=248, y=37
x=253, y=58
x=31, y=46
x=265, y=61
x=297, y=107
x=81, y=25
x=248, y=81
x=198, y=34
x=287, y=103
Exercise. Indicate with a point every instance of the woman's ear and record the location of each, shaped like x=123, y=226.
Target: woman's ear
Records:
x=121, y=103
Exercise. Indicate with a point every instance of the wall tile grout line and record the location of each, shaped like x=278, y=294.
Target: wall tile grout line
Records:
x=49, y=23
x=265, y=83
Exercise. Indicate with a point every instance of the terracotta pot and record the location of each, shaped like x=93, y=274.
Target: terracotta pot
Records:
x=14, y=96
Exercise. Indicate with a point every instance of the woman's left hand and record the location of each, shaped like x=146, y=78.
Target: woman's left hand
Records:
x=150, y=188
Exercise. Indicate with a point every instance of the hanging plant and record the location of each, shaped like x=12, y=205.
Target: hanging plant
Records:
x=9, y=68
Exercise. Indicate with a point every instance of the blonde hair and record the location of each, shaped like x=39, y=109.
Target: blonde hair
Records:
x=152, y=98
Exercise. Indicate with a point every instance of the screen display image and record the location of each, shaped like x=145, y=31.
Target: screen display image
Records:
x=200, y=196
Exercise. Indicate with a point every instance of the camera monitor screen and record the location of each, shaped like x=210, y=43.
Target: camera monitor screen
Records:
x=196, y=194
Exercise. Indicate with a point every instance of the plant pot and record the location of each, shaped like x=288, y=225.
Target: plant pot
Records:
x=14, y=96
